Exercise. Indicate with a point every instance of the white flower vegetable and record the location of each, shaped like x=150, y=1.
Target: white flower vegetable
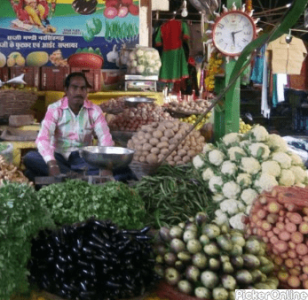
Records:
x=207, y=174
x=140, y=69
x=250, y=165
x=231, y=206
x=215, y=180
x=245, y=143
x=259, y=133
x=228, y=168
x=232, y=153
x=208, y=147
x=300, y=185
x=148, y=55
x=287, y=178
x=218, y=197
x=249, y=195
x=271, y=167
x=277, y=143
x=248, y=209
x=198, y=162
x=266, y=182
x=231, y=138
x=221, y=218
x=231, y=190
x=139, y=53
x=244, y=179
x=257, y=148
x=216, y=157
x=296, y=160
x=134, y=64
x=299, y=173
x=236, y=221
x=283, y=159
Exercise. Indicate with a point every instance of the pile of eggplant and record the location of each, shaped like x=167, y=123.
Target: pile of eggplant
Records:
x=210, y=261
x=93, y=260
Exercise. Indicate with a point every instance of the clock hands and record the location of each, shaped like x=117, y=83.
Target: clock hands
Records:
x=233, y=35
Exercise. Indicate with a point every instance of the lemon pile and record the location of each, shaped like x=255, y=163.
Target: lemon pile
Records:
x=244, y=127
x=192, y=119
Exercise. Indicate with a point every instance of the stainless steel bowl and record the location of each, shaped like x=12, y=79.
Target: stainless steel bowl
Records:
x=107, y=157
x=134, y=101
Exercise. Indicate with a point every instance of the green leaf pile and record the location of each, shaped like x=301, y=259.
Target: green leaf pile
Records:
x=22, y=216
x=75, y=201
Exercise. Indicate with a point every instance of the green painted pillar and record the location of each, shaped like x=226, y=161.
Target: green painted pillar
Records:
x=227, y=113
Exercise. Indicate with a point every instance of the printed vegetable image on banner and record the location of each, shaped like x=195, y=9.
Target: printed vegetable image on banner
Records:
x=47, y=32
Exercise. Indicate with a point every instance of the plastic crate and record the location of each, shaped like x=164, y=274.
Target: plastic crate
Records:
x=52, y=78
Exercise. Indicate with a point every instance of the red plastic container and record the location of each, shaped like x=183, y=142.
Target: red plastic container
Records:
x=86, y=60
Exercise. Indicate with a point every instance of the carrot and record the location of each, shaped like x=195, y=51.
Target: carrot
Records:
x=273, y=207
x=272, y=218
x=301, y=249
x=303, y=228
x=270, y=234
x=281, y=246
x=280, y=225
x=289, y=263
x=284, y=236
x=292, y=245
x=283, y=276
x=294, y=272
x=305, y=269
x=261, y=214
x=266, y=226
x=278, y=260
x=290, y=227
x=297, y=237
x=295, y=218
x=293, y=281
x=292, y=254
x=274, y=239
x=305, y=284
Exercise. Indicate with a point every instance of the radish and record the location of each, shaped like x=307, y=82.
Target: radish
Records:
x=134, y=9
x=110, y=12
x=127, y=2
x=123, y=11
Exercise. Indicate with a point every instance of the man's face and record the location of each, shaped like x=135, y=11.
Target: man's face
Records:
x=76, y=92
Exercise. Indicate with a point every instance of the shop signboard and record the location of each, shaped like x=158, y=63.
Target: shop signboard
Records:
x=46, y=32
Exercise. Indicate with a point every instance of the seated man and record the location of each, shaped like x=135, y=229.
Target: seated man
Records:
x=69, y=125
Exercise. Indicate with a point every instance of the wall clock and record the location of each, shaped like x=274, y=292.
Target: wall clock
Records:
x=232, y=31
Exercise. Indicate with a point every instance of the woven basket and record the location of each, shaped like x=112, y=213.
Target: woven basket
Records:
x=121, y=137
x=14, y=102
x=142, y=169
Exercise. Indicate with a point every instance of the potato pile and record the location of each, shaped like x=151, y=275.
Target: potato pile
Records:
x=153, y=141
x=131, y=119
x=194, y=107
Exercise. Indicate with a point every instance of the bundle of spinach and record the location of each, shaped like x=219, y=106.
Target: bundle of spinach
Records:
x=173, y=195
x=22, y=216
x=75, y=201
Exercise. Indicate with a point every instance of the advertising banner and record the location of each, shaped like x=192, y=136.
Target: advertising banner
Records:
x=46, y=32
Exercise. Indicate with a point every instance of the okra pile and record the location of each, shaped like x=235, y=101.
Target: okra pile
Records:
x=93, y=260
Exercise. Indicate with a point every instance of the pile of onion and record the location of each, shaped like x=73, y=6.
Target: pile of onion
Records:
x=196, y=107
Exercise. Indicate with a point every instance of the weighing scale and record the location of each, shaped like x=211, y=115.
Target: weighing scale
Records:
x=141, y=83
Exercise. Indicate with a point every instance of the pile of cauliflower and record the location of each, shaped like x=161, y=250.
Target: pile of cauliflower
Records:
x=241, y=167
x=143, y=61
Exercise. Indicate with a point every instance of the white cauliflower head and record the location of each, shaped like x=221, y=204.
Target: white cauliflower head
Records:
x=218, y=197
x=207, y=174
x=208, y=147
x=287, y=178
x=266, y=182
x=283, y=159
x=216, y=157
x=249, y=195
x=248, y=209
x=237, y=221
x=259, y=133
x=229, y=206
x=231, y=190
x=221, y=218
x=228, y=168
x=234, y=151
x=245, y=143
x=271, y=167
x=277, y=143
x=231, y=138
x=197, y=162
x=250, y=165
x=296, y=159
x=244, y=179
x=215, y=180
x=259, y=150
x=299, y=173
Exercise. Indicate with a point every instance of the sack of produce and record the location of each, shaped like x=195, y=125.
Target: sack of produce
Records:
x=6, y=151
x=154, y=141
x=143, y=61
x=280, y=218
x=210, y=261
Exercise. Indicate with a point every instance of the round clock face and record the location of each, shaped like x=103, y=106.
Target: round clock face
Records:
x=232, y=32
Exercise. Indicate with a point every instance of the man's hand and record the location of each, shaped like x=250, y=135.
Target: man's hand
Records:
x=53, y=168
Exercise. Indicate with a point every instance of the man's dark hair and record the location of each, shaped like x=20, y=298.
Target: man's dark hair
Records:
x=68, y=78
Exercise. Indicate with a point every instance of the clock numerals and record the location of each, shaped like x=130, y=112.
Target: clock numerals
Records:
x=241, y=19
x=247, y=25
x=218, y=33
x=220, y=41
x=226, y=45
x=221, y=26
x=247, y=32
x=239, y=46
x=245, y=41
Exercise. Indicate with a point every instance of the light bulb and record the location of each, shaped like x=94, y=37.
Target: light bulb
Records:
x=184, y=12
